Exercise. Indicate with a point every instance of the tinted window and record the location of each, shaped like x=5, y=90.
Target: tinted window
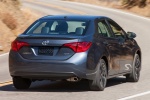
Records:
x=59, y=27
x=103, y=29
x=39, y=28
x=117, y=30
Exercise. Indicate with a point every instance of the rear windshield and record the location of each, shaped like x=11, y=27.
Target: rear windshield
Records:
x=58, y=27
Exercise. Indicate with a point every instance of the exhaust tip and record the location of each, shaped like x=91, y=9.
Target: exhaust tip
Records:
x=73, y=79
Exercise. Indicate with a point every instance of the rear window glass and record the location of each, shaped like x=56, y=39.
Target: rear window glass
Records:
x=58, y=27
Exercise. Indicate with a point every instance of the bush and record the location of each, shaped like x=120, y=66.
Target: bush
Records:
x=131, y=3
x=10, y=21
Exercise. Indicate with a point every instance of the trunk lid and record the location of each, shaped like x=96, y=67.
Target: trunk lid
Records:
x=46, y=47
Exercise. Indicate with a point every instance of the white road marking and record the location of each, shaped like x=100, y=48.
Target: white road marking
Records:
x=4, y=54
x=110, y=9
x=136, y=95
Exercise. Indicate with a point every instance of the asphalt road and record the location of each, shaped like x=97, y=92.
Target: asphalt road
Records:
x=116, y=88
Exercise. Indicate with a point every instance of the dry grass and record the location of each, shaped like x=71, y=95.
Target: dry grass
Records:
x=13, y=21
x=15, y=3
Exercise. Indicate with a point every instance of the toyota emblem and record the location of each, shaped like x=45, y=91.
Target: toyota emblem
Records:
x=46, y=42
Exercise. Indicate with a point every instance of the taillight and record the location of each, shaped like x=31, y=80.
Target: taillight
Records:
x=78, y=46
x=17, y=45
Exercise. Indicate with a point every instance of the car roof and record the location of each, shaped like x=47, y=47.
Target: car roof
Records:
x=72, y=17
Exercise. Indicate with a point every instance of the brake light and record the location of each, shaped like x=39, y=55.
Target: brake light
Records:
x=17, y=45
x=78, y=46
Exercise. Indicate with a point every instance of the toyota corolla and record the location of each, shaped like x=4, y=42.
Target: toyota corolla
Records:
x=72, y=48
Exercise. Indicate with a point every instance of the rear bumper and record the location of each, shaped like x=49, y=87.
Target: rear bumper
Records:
x=46, y=69
x=45, y=75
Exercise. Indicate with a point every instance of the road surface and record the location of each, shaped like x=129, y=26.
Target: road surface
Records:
x=117, y=89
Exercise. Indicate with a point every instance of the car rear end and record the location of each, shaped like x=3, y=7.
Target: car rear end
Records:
x=51, y=49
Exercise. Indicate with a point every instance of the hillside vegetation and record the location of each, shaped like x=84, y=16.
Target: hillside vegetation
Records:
x=131, y=3
x=13, y=21
x=140, y=7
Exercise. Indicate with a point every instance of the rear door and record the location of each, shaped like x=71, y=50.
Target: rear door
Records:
x=111, y=45
x=125, y=45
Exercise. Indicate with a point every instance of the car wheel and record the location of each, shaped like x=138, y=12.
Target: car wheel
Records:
x=21, y=83
x=135, y=74
x=99, y=83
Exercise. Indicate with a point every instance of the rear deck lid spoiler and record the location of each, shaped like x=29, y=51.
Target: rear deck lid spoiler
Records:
x=49, y=36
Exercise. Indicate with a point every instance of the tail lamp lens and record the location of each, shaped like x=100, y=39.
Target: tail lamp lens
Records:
x=78, y=46
x=17, y=45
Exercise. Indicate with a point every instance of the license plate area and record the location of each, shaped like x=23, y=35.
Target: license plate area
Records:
x=46, y=51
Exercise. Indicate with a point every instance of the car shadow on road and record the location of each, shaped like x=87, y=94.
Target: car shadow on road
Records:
x=61, y=86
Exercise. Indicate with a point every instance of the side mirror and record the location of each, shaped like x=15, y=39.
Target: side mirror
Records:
x=131, y=35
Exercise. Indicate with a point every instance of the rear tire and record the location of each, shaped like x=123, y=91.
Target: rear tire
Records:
x=21, y=83
x=99, y=83
x=135, y=74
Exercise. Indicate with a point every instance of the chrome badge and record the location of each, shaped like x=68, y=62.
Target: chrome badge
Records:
x=46, y=42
